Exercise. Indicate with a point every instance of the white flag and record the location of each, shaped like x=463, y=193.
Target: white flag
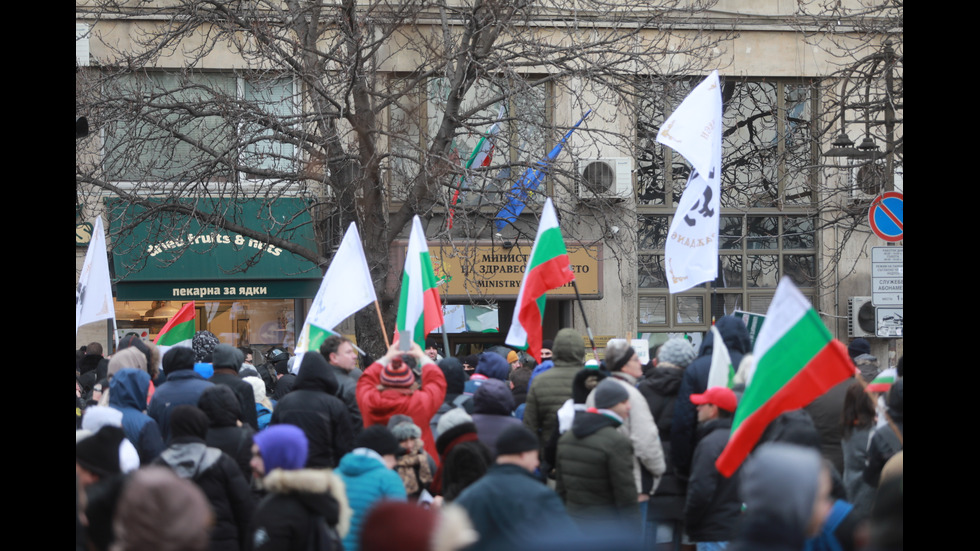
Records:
x=93, y=295
x=694, y=131
x=347, y=287
x=721, y=372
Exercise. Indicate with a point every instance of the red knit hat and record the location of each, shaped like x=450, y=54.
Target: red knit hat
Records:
x=397, y=374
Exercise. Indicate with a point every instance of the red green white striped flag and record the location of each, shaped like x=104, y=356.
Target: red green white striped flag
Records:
x=548, y=268
x=179, y=330
x=798, y=360
x=419, y=308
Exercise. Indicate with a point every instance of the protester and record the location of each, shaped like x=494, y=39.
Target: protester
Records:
x=227, y=360
x=304, y=508
x=128, y=395
x=368, y=476
x=549, y=390
x=463, y=459
x=342, y=361
x=508, y=504
x=313, y=406
x=595, y=461
x=159, y=511
x=492, y=407
x=184, y=386
x=388, y=388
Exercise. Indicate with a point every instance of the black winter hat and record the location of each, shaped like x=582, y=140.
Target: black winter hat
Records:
x=99, y=453
x=178, y=358
x=190, y=421
x=379, y=439
x=515, y=440
x=609, y=393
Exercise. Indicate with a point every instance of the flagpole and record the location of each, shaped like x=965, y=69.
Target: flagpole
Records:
x=381, y=321
x=578, y=297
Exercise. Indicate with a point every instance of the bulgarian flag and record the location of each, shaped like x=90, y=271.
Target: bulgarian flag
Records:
x=548, y=268
x=798, y=361
x=419, y=308
x=179, y=330
x=481, y=157
x=883, y=381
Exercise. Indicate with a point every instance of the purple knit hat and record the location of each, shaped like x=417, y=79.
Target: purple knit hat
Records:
x=282, y=447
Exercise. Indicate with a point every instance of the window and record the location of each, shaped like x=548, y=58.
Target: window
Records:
x=523, y=138
x=176, y=127
x=767, y=220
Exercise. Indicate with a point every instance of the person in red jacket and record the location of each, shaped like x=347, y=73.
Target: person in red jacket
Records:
x=388, y=387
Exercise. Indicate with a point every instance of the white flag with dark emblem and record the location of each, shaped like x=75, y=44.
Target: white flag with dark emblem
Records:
x=93, y=295
x=694, y=131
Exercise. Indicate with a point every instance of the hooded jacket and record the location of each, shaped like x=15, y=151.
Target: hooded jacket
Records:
x=313, y=407
x=379, y=404
x=129, y=387
x=284, y=519
x=222, y=483
x=659, y=386
x=595, y=468
x=492, y=407
x=550, y=389
x=367, y=481
x=682, y=438
x=221, y=406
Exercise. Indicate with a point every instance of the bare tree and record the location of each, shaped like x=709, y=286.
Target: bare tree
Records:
x=369, y=109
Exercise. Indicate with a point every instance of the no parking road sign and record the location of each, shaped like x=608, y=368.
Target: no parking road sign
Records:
x=885, y=216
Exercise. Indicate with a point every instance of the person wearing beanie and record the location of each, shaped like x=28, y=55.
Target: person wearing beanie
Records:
x=313, y=406
x=713, y=508
x=227, y=361
x=469, y=364
x=401, y=526
x=415, y=468
x=184, y=386
x=492, y=407
x=509, y=504
x=301, y=503
x=786, y=495
x=640, y=427
x=203, y=345
x=388, y=388
x=368, y=476
x=595, y=461
x=214, y=472
x=550, y=389
x=463, y=458
x=514, y=359
x=98, y=473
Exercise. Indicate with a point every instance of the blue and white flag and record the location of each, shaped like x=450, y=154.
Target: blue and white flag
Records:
x=694, y=131
x=529, y=182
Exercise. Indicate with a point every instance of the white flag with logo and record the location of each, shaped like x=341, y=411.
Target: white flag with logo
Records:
x=93, y=295
x=694, y=131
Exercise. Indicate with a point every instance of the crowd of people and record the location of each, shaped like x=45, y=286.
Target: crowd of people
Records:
x=222, y=448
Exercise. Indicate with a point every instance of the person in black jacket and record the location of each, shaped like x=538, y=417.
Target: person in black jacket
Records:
x=221, y=406
x=227, y=361
x=713, y=507
x=215, y=472
x=683, y=433
x=313, y=406
x=301, y=503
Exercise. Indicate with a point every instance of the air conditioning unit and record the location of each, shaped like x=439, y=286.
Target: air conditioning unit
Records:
x=860, y=317
x=867, y=181
x=608, y=178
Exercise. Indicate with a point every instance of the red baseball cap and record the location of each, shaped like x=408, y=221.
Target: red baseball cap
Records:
x=720, y=396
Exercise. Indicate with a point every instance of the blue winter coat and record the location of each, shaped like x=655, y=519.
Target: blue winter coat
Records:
x=127, y=393
x=183, y=387
x=368, y=481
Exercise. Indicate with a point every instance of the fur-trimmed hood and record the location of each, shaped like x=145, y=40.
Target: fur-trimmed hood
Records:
x=314, y=487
